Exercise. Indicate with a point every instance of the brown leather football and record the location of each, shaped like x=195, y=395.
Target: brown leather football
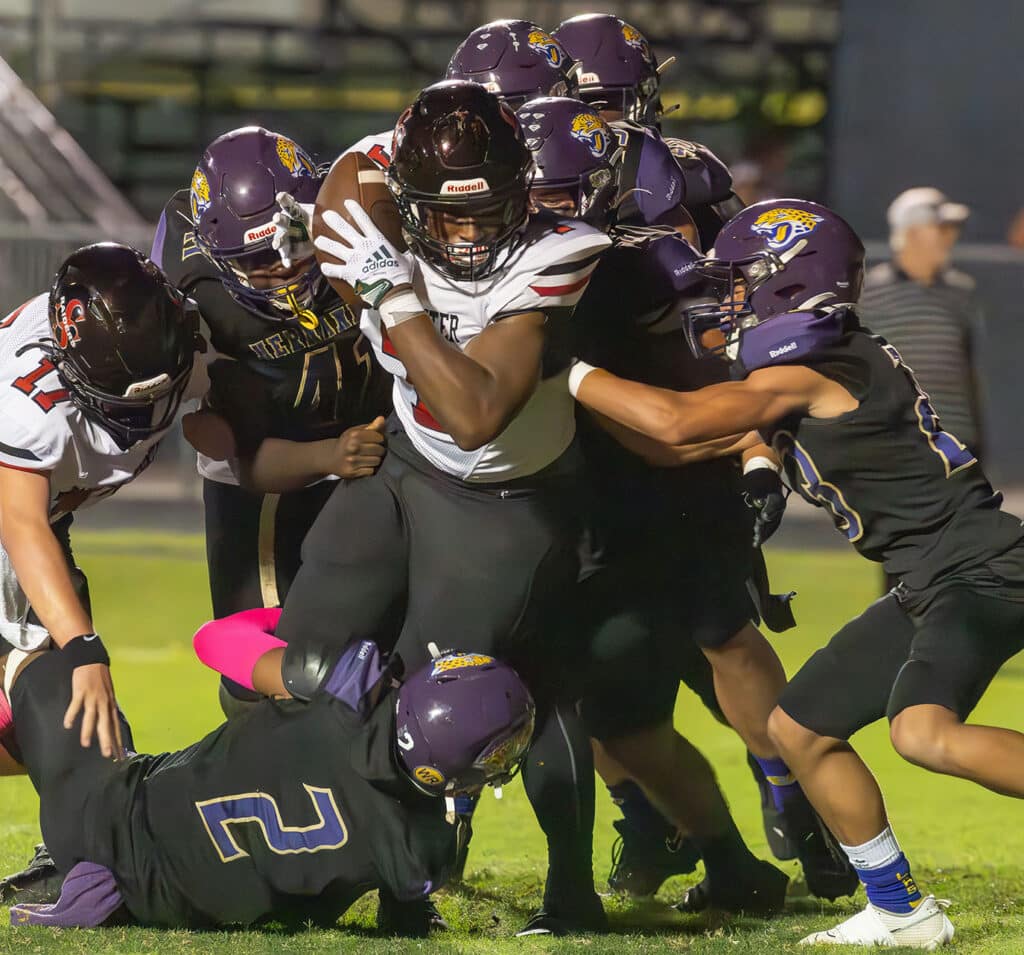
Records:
x=357, y=177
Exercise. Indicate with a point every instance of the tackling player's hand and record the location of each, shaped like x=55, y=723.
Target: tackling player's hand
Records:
x=359, y=451
x=92, y=697
x=293, y=226
x=765, y=494
x=368, y=261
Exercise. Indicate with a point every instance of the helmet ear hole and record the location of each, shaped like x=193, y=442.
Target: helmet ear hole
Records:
x=789, y=291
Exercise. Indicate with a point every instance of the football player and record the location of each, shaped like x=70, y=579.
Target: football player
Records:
x=473, y=518
x=702, y=572
x=652, y=180
x=94, y=373
x=294, y=379
x=290, y=814
x=619, y=75
x=860, y=439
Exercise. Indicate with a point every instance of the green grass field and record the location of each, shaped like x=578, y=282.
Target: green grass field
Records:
x=149, y=592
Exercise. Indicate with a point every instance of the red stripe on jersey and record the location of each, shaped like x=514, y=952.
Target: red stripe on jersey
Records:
x=385, y=343
x=10, y=318
x=561, y=289
x=423, y=417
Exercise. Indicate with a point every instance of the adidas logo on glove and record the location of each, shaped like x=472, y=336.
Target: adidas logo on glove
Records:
x=381, y=259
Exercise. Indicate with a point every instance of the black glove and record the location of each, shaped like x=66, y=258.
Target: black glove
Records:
x=764, y=492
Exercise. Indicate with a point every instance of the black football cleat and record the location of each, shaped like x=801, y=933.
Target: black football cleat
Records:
x=39, y=882
x=640, y=864
x=583, y=917
x=760, y=889
x=776, y=827
x=408, y=919
x=827, y=870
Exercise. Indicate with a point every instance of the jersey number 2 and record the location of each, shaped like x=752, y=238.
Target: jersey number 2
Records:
x=260, y=809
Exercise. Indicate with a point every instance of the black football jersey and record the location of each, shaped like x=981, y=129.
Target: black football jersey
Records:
x=902, y=490
x=628, y=322
x=292, y=812
x=301, y=381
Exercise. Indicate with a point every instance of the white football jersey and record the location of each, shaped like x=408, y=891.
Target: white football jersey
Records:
x=377, y=146
x=549, y=269
x=42, y=429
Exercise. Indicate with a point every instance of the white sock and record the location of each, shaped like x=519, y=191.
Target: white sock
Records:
x=875, y=853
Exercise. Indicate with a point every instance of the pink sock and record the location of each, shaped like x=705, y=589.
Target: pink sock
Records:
x=232, y=645
x=6, y=716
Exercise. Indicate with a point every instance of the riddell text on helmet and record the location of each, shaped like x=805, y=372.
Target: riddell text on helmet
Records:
x=456, y=187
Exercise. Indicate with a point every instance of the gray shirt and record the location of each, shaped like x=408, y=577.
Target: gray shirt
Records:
x=935, y=329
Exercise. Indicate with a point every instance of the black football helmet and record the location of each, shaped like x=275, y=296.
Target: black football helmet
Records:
x=460, y=172
x=124, y=340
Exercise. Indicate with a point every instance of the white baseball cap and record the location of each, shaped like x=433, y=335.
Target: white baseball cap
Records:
x=924, y=205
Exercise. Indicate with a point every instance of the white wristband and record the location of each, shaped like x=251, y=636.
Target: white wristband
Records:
x=760, y=462
x=577, y=373
x=400, y=308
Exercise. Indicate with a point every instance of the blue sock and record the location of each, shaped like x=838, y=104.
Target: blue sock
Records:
x=891, y=886
x=638, y=811
x=782, y=781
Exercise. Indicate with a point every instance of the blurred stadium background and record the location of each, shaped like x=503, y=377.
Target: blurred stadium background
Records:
x=105, y=108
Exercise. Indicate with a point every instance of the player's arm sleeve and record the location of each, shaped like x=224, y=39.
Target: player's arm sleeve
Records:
x=20, y=448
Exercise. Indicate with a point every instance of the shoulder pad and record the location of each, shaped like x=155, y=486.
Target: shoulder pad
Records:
x=791, y=338
x=174, y=244
x=707, y=178
x=552, y=271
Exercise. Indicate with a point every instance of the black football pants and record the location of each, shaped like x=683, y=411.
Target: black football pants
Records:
x=412, y=557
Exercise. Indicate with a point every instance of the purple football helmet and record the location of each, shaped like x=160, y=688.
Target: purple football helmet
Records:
x=233, y=200
x=775, y=257
x=573, y=149
x=516, y=60
x=617, y=70
x=464, y=720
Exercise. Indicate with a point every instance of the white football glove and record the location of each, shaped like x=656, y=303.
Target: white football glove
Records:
x=293, y=226
x=369, y=262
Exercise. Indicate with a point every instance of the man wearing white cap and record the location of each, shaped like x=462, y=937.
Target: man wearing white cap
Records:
x=927, y=309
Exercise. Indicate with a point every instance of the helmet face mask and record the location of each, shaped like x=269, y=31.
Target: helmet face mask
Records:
x=460, y=174
x=233, y=198
x=715, y=322
x=465, y=240
x=123, y=340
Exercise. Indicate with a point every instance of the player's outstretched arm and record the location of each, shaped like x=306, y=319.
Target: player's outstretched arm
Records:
x=279, y=466
x=717, y=411
x=43, y=574
x=661, y=455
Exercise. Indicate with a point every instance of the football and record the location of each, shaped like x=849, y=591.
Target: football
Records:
x=356, y=176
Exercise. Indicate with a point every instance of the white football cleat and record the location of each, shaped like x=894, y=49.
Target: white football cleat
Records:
x=926, y=927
